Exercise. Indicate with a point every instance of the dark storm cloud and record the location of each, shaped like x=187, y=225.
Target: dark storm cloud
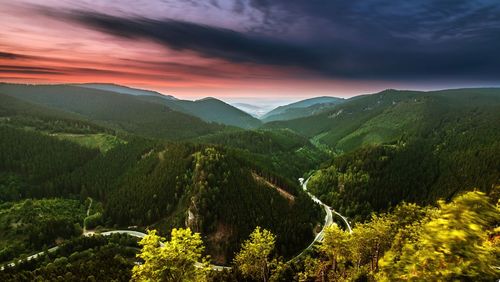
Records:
x=406, y=16
x=208, y=41
x=12, y=56
x=5, y=55
x=374, y=39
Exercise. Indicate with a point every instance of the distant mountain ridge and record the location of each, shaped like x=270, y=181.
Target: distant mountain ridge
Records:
x=211, y=110
x=302, y=108
x=110, y=109
x=124, y=90
x=208, y=109
x=388, y=115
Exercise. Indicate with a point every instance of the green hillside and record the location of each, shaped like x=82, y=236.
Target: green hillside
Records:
x=386, y=116
x=302, y=108
x=433, y=146
x=28, y=225
x=208, y=109
x=151, y=184
x=281, y=151
x=28, y=115
x=65, y=126
x=30, y=159
x=390, y=147
x=213, y=192
x=117, y=111
x=211, y=109
x=123, y=90
x=99, y=258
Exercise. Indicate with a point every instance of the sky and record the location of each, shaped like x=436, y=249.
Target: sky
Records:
x=253, y=50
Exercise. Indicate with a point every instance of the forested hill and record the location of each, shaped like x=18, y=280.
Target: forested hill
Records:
x=124, y=90
x=303, y=108
x=208, y=109
x=120, y=112
x=153, y=184
x=68, y=97
x=389, y=115
x=21, y=113
x=437, y=146
x=208, y=189
x=86, y=160
x=281, y=151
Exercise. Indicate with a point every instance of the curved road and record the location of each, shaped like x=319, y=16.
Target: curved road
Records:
x=344, y=219
x=318, y=238
x=328, y=218
x=328, y=209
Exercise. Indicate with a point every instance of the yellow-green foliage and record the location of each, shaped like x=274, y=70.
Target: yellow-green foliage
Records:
x=180, y=259
x=456, y=241
x=335, y=247
x=254, y=258
x=452, y=246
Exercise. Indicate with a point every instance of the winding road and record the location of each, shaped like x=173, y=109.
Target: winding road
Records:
x=329, y=210
x=12, y=264
x=319, y=237
x=344, y=219
x=328, y=218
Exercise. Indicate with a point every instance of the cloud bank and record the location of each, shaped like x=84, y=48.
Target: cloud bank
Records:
x=373, y=40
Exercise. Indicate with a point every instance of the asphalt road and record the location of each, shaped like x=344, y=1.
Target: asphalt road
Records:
x=328, y=218
x=318, y=238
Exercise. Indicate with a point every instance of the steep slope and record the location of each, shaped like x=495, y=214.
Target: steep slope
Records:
x=302, y=108
x=385, y=116
x=29, y=159
x=21, y=113
x=121, y=112
x=210, y=110
x=62, y=125
x=150, y=183
x=157, y=185
x=292, y=155
x=432, y=146
x=10, y=106
x=213, y=191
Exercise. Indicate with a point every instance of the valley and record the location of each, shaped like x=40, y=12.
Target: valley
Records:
x=249, y=141
x=318, y=238
x=112, y=163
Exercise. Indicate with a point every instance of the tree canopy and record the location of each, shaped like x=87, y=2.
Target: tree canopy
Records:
x=179, y=259
x=255, y=256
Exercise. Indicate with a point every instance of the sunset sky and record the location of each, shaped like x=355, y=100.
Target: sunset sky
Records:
x=240, y=50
